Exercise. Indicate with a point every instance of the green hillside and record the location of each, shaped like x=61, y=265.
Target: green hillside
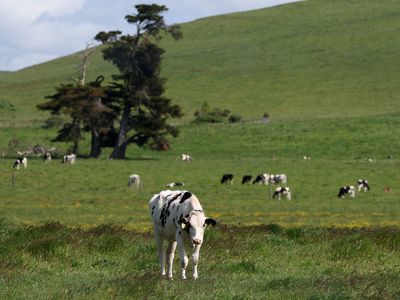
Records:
x=312, y=59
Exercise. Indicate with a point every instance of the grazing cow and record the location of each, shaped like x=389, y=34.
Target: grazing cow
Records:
x=178, y=218
x=261, y=179
x=47, y=156
x=275, y=179
x=227, y=178
x=246, y=179
x=71, y=158
x=279, y=191
x=186, y=157
x=363, y=185
x=20, y=161
x=172, y=184
x=305, y=157
x=347, y=190
x=134, y=180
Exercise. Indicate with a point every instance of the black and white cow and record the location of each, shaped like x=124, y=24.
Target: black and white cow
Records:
x=22, y=161
x=178, y=218
x=363, y=185
x=347, y=190
x=47, y=157
x=246, y=179
x=71, y=158
x=279, y=191
x=227, y=178
x=261, y=179
x=172, y=184
x=186, y=157
x=275, y=179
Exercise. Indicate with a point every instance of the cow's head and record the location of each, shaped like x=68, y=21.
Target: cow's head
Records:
x=195, y=224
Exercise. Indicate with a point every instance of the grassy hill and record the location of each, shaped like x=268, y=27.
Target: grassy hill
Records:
x=312, y=59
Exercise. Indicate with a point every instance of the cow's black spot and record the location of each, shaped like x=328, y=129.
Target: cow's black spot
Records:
x=185, y=196
x=165, y=212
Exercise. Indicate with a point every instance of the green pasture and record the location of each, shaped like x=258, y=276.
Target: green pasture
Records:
x=95, y=192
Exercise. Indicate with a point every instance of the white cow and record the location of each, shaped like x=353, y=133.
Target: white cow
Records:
x=71, y=158
x=279, y=191
x=178, y=218
x=134, y=180
x=186, y=157
x=21, y=161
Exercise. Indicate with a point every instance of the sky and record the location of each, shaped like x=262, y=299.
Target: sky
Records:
x=35, y=31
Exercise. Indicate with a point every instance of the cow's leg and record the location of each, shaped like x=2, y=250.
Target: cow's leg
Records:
x=182, y=255
x=170, y=257
x=195, y=257
x=161, y=254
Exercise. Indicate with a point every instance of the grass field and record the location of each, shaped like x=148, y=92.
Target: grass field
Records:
x=327, y=73
x=257, y=262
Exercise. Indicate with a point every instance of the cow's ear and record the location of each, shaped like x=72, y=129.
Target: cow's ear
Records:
x=211, y=222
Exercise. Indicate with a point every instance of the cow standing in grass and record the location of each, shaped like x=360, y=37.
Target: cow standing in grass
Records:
x=282, y=191
x=246, y=179
x=71, y=158
x=178, y=218
x=134, y=181
x=347, y=190
x=363, y=185
x=22, y=161
x=227, y=179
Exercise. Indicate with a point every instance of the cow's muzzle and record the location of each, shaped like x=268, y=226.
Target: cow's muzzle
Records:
x=196, y=241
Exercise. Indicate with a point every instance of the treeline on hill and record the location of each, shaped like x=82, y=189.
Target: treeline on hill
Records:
x=134, y=100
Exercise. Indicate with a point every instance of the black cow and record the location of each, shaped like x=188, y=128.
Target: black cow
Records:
x=246, y=179
x=227, y=178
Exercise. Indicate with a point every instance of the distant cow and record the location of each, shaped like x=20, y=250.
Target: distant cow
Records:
x=363, y=185
x=285, y=191
x=172, y=184
x=227, y=179
x=20, y=161
x=246, y=179
x=186, y=157
x=275, y=179
x=178, y=218
x=71, y=158
x=347, y=190
x=47, y=156
x=134, y=181
x=261, y=179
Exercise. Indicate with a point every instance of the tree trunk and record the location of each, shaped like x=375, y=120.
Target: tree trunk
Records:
x=95, y=149
x=119, y=151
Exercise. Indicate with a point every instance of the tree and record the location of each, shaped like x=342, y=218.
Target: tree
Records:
x=144, y=111
x=88, y=108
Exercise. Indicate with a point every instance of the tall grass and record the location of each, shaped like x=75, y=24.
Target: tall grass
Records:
x=257, y=262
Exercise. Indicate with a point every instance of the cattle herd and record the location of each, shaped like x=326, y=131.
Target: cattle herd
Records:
x=179, y=218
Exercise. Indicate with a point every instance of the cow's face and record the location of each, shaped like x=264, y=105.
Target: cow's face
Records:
x=195, y=225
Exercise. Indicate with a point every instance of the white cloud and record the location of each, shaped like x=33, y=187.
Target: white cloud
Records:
x=33, y=31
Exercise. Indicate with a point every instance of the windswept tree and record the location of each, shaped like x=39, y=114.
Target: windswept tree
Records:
x=144, y=111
